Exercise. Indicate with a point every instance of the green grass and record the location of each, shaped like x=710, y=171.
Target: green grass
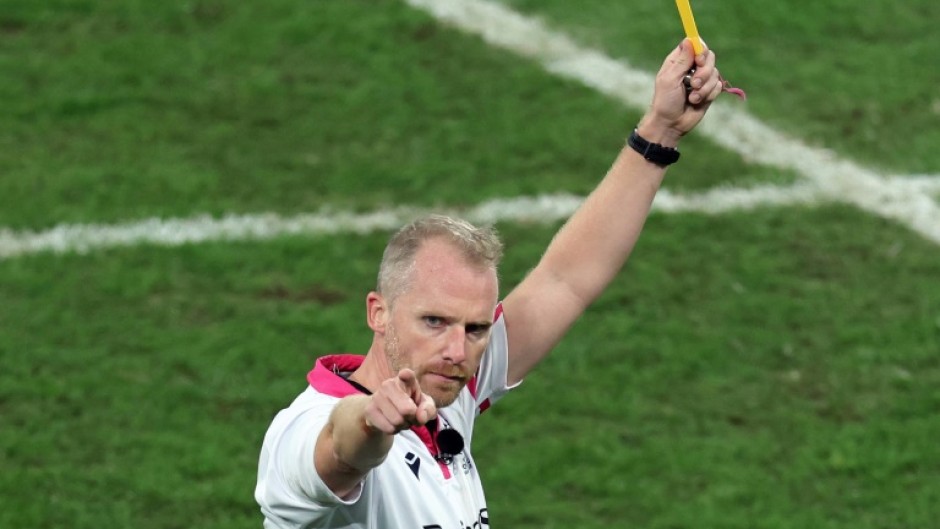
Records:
x=775, y=368
x=766, y=388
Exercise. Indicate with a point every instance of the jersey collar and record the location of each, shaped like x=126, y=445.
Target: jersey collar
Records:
x=325, y=375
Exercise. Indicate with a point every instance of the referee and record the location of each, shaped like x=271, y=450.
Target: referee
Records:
x=383, y=441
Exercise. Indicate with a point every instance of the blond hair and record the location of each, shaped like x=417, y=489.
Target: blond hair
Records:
x=479, y=246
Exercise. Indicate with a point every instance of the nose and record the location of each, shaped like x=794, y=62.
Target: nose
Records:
x=455, y=350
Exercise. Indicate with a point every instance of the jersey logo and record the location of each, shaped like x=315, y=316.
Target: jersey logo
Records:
x=413, y=463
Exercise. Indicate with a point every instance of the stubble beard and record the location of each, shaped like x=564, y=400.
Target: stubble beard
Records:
x=397, y=362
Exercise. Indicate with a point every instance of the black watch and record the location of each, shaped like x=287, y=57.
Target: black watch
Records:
x=653, y=152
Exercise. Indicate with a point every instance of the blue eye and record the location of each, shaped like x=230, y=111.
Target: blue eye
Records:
x=433, y=321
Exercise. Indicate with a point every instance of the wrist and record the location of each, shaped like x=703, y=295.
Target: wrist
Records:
x=655, y=131
x=651, y=151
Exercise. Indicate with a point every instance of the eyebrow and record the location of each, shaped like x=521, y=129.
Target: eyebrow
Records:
x=483, y=326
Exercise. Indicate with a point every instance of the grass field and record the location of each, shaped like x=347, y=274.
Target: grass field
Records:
x=771, y=366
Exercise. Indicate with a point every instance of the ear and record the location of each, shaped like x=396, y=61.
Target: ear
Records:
x=377, y=313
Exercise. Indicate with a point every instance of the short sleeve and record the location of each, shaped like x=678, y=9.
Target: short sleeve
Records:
x=491, y=381
x=289, y=490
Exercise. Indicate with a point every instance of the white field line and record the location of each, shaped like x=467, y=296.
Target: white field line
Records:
x=728, y=125
x=929, y=184
x=83, y=238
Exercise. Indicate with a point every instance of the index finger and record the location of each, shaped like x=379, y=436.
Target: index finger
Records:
x=707, y=58
x=410, y=384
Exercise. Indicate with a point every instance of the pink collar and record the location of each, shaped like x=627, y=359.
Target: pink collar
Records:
x=325, y=375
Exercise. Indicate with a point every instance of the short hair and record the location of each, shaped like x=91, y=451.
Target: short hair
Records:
x=479, y=246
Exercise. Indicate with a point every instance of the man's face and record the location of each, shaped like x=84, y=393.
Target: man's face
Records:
x=440, y=326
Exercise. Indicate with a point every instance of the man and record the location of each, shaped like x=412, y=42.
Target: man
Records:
x=383, y=441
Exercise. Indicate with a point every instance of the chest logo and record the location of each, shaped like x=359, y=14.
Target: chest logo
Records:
x=414, y=463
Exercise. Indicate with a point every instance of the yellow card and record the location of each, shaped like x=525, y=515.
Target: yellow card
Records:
x=688, y=23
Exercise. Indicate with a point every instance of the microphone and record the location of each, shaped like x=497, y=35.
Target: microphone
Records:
x=449, y=444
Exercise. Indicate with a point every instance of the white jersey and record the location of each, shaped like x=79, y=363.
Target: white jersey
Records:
x=411, y=489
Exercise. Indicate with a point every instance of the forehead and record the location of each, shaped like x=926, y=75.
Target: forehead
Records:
x=442, y=277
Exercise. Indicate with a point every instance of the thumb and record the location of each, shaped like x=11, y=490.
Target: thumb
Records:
x=427, y=410
x=682, y=59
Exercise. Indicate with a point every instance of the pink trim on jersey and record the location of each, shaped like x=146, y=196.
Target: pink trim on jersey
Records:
x=324, y=377
x=472, y=387
x=424, y=433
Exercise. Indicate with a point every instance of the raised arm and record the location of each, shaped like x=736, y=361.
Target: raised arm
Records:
x=593, y=245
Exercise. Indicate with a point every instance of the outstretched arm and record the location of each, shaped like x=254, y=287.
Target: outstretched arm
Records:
x=593, y=245
x=360, y=431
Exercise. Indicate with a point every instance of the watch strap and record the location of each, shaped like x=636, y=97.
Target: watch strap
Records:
x=652, y=152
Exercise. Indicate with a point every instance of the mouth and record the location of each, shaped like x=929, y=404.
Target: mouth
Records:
x=454, y=379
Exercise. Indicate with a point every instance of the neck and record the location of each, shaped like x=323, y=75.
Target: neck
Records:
x=373, y=370
x=359, y=386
